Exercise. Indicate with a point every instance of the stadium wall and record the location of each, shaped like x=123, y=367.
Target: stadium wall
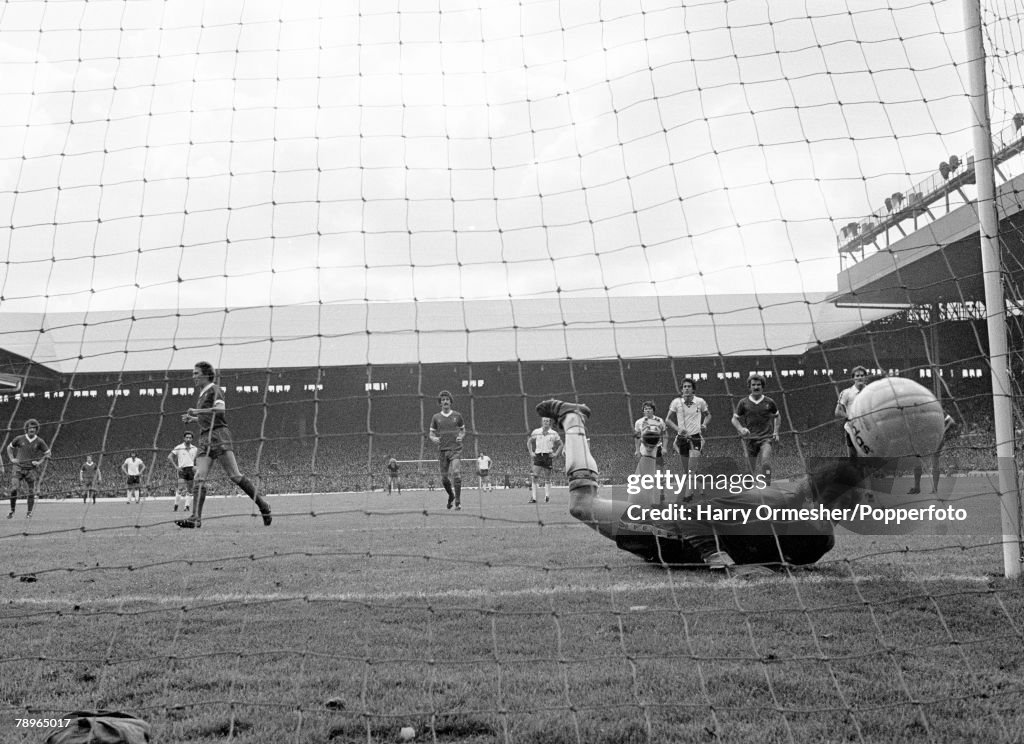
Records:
x=333, y=428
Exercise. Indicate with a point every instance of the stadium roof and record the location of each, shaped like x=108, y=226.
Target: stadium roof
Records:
x=402, y=333
x=940, y=262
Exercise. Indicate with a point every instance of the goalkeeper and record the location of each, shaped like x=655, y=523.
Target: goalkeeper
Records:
x=715, y=544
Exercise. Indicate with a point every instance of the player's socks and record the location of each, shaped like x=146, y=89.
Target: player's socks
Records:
x=457, y=488
x=264, y=508
x=200, y=501
x=250, y=490
x=577, y=451
x=918, y=472
x=547, y=492
x=246, y=485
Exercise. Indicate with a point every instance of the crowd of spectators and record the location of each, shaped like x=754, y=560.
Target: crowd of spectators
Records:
x=289, y=461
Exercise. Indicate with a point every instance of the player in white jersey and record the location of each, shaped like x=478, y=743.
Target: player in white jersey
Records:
x=649, y=422
x=133, y=468
x=483, y=470
x=649, y=434
x=544, y=446
x=688, y=416
x=183, y=460
x=860, y=380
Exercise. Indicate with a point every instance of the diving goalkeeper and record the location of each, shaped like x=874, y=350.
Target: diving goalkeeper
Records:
x=715, y=543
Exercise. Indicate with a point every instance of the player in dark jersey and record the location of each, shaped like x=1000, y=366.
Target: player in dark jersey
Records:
x=27, y=452
x=392, y=471
x=447, y=430
x=757, y=422
x=89, y=477
x=215, y=443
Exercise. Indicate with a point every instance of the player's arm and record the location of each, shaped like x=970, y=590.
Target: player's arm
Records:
x=218, y=405
x=737, y=422
x=10, y=453
x=462, y=430
x=947, y=422
x=171, y=459
x=193, y=415
x=124, y=467
x=664, y=433
x=840, y=412
x=672, y=419
x=530, y=444
x=636, y=437
x=432, y=434
x=705, y=417
x=558, y=447
x=776, y=423
x=45, y=454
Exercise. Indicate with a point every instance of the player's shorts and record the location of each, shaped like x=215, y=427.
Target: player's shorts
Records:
x=215, y=442
x=687, y=443
x=393, y=475
x=445, y=458
x=21, y=475
x=133, y=480
x=187, y=474
x=543, y=460
x=753, y=447
x=484, y=473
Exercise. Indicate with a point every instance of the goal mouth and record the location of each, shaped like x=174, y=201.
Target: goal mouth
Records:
x=9, y=383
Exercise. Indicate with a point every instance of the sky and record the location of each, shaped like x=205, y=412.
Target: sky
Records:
x=176, y=154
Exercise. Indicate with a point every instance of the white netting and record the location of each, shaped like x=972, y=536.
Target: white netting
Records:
x=350, y=206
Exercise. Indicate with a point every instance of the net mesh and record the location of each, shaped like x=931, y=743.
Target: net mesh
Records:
x=347, y=207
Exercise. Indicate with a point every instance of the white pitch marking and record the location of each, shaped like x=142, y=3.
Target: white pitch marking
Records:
x=685, y=582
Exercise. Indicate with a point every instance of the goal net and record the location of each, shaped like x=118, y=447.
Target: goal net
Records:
x=348, y=207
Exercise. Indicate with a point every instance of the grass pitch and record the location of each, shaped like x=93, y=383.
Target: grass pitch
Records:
x=357, y=614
